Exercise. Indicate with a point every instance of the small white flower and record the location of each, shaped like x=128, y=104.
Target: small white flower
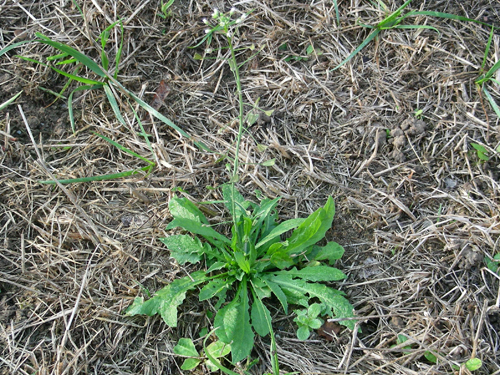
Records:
x=222, y=23
x=207, y=31
x=238, y=20
x=215, y=14
x=229, y=34
x=205, y=21
x=243, y=16
x=209, y=51
x=232, y=11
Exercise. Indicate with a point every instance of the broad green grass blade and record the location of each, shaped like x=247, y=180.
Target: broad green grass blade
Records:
x=69, y=75
x=370, y=37
x=124, y=149
x=492, y=71
x=492, y=101
x=6, y=103
x=391, y=19
x=105, y=177
x=114, y=104
x=85, y=60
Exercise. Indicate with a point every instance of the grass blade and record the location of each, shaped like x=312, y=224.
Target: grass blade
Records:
x=446, y=15
x=370, y=37
x=336, y=6
x=85, y=60
x=6, y=103
x=124, y=149
x=391, y=20
x=69, y=75
x=105, y=177
x=487, y=50
x=12, y=46
x=492, y=101
x=114, y=104
x=70, y=103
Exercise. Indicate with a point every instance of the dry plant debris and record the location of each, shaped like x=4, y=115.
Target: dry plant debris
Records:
x=417, y=208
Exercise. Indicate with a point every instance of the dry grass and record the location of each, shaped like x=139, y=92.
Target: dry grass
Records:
x=416, y=213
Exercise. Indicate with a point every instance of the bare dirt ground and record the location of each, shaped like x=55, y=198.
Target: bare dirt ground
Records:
x=417, y=210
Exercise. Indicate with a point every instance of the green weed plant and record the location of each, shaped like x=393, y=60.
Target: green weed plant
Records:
x=247, y=269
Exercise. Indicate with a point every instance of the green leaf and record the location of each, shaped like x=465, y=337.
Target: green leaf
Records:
x=473, y=364
x=303, y=333
x=280, y=258
x=233, y=323
x=276, y=289
x=166, y=300
x=268, y=163
x=481, y=151
x=332, y=251
x=232, y=198
x=197, y=228
x=312, y=229
x=318, y=273
x=114, y=104
x=279, y=230
x=184, y=248
x=183, y=208
x=89, y=63
x=332, y=298
x=261, y=317
x=431, y=357
x=185, y=347
x=218, y=349
x=213, y=288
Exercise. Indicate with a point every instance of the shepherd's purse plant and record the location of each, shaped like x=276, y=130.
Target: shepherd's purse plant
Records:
x=246, y=270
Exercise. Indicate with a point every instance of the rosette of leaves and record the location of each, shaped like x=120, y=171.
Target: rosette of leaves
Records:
x=251, y=267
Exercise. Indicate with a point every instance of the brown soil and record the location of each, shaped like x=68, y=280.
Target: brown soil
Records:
x=417, y=210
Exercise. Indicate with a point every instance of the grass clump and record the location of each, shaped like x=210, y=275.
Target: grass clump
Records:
x=246, y=270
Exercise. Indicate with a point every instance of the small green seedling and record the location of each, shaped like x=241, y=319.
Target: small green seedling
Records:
x=493, y=264
x=216, y=350
x=310, y=51
x=481, y=151
x=473, y=364
x=165, y=11
x=308, y=320
x=246, y=270
x=419, y=113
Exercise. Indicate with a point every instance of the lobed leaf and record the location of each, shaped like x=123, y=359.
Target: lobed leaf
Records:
x=185, y=248
x=332, y=298
x=318, y=273
x=166, y=300
x=183, y=208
